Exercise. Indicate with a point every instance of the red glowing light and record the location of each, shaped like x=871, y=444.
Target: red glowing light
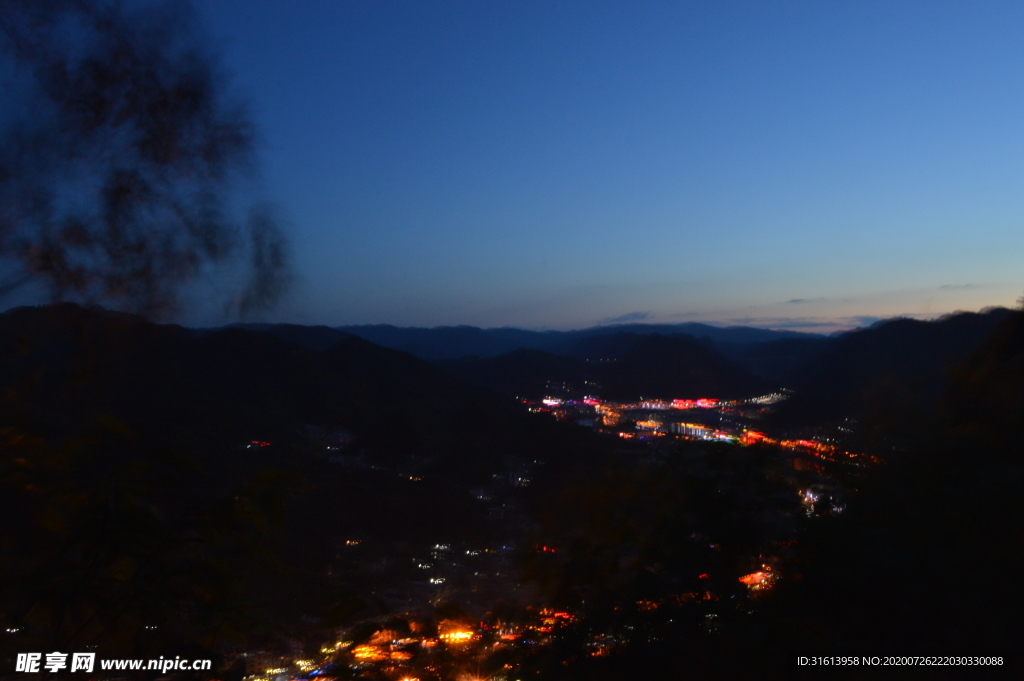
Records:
x=751, y=437
x=754, y=577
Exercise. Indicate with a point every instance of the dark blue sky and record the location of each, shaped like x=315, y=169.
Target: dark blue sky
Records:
x=563, y=164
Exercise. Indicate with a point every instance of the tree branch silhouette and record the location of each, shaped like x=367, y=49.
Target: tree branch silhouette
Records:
x=124, y=161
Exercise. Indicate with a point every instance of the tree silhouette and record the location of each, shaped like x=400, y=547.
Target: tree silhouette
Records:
x=123, y=160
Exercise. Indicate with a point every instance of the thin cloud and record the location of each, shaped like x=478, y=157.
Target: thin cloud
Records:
x=812, y=324
x=861, y=320
x=958, y=286
x=784, y=322
x=626, y=318
x=801, y=301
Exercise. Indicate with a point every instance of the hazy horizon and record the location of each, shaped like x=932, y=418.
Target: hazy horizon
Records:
x=805, y=325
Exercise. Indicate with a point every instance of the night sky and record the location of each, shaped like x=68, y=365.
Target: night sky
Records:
x=809, y=165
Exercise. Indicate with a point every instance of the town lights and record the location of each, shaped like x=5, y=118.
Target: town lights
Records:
x=458, y=636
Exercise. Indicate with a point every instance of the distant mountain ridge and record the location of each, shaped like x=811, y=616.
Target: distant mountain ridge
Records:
x=620, y=366
x=832, y=376
x=455, y=342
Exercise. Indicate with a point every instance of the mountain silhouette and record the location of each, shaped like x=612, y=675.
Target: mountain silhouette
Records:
x=619, y=366
x=898, y=366
x=197, y=461
x=454, y=342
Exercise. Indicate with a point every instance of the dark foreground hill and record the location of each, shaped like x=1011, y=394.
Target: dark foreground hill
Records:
x=930, y=556
x=895, y=370
x=205, y=480
x=67, y=367
x=141, y=517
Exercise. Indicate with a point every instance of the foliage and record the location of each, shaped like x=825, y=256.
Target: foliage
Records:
x=122, y=160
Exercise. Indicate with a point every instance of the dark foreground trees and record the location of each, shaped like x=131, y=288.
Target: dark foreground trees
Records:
x=125, y=164
x=122, y=157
